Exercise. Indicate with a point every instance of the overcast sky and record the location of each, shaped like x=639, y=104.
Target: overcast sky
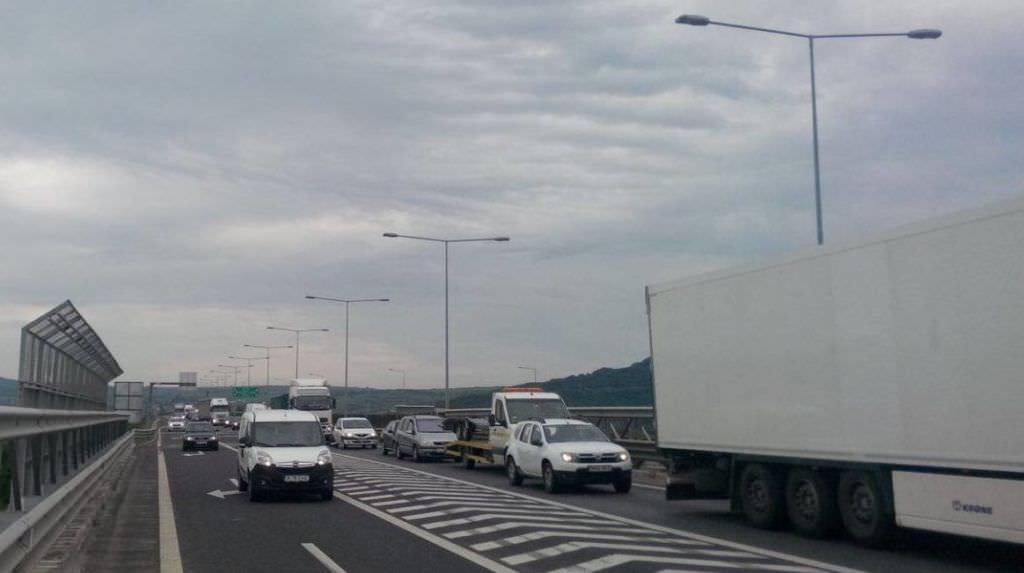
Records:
x=185, y=172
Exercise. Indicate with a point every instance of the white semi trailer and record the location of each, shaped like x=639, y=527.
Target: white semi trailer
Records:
x=858, y=386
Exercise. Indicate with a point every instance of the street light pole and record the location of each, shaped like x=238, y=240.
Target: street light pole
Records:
x=248, y=372
x=235, y=368
x=297, y=332
x=402, y=372
x=919, y=34
x=530, y=368
x=348, y=302
x=446, y=242
x=268, y=349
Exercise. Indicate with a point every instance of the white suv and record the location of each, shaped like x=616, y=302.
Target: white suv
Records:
x=566, y=452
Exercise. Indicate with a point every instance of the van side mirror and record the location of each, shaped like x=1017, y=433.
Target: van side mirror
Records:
x=490, y=419
x=334, y=403
x=243, y=442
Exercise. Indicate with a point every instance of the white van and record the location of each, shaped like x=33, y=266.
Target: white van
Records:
x=283, y=450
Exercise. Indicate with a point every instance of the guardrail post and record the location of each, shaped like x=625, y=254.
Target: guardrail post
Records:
x=36, y=461
x=64, y=453
x=17, y=453
x=51, y=466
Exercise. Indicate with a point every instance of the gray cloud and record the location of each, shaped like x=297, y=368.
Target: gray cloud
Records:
x=187, y=172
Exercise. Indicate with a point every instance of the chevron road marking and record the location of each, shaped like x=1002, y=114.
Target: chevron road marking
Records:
x=631, y=530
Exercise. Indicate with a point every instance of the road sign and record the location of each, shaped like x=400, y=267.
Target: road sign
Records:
x=246, y=392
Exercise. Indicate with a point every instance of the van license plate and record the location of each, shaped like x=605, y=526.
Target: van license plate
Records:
x=600, y=468
x=296, y=478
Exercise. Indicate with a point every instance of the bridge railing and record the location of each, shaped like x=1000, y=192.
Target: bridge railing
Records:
x=52, y=457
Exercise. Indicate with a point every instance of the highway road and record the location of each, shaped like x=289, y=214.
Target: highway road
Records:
x=392, y=515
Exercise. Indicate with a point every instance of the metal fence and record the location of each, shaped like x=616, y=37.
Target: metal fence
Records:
x=43, y=447
x=64, y=363
x=54, y=457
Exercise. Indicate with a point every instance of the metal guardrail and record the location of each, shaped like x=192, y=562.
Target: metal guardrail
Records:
x=45, y=446
x=632, y=427
x=24, y=539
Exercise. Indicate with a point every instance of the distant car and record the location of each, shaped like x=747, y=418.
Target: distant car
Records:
x=176, y=424
x=566, y=453
x=199, y=435
x=387, y=438
x=422, y=437
x=355, y=432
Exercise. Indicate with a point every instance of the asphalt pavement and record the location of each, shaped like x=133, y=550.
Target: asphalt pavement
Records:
x=392, y=515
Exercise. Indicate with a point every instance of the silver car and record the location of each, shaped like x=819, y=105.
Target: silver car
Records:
x=422, y=437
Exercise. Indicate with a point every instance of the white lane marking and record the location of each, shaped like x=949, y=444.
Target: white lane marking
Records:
x=376, y=497
x=616, y=559
x=535, y=535
x=350, y=489
x=645, y=486
x=233, y=481
x=480, y=560
x=475, y=508
x=518, y=525
x=572, y=546
x=450, y=503
x=220, y=494
x=323, y=558
x=170, y=551
x=502, y=515
x=393, y=502
x=427, y=494
x=230, y=448
x=638, y=523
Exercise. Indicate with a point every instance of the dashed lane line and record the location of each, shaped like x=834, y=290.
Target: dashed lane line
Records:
x=323, y=558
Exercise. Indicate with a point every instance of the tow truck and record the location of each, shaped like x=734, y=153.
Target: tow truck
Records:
x=485, y=439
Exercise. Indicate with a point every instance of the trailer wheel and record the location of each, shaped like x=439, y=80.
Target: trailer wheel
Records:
x=761, y=493
x=862, y=507
x=514, y=477
x=811, y=503
x=468, y=462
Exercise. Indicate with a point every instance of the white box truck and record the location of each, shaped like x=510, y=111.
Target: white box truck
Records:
x=859, y=386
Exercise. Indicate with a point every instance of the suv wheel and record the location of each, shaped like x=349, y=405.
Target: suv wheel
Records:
x=514, y=477
x=416, y=454
x=551, y=484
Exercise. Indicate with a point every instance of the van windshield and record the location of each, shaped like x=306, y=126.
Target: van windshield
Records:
x=287, y=434
x=524, y=409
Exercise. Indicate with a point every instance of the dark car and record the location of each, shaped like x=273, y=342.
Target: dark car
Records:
x=387, y=438
x=199, y=435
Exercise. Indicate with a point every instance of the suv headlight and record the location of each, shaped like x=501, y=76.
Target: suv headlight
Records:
x=568, y=457
x=348, y=434
x=624, y=457
x=323, y=458
x=189, y=438
x=264, y=459
x=212, y=438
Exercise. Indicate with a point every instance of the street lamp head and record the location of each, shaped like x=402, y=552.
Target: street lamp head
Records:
x=924, y=34
x=311, y=297
x=391, y=235
x=502, y=239
x=693, y=20
x=384, y=300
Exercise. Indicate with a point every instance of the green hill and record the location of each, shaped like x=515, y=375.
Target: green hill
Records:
x=627, y=386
